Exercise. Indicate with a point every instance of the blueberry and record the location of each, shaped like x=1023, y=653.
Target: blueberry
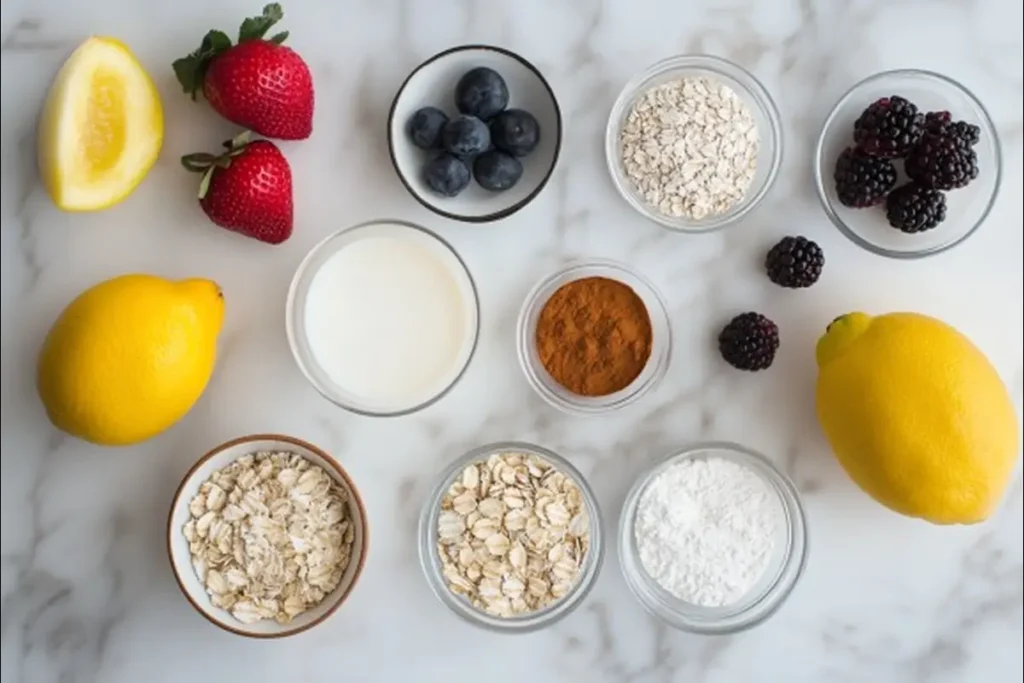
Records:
x=515, y=131
x=465, y=136
x=497, y=171
x=446, y=175
x=481, y=92
x=425, y=127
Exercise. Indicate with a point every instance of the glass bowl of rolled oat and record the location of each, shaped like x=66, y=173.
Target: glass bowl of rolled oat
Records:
x=694, y=143
x=267, y=536
x=511, y=537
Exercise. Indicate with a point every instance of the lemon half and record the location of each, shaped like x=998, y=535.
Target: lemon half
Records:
x=101, y=128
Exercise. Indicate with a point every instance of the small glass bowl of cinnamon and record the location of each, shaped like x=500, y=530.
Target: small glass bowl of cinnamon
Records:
x=593, y=336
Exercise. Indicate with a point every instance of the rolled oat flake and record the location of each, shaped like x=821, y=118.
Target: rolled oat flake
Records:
x=690, y=148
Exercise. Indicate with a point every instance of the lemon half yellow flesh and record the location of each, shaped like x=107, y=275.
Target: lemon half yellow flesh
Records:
x=101, y=128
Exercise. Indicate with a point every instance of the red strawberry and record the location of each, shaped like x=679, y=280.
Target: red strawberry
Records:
x=248, y=189
x=258, y=83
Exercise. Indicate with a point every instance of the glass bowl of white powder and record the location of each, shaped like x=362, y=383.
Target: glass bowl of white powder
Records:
x=713, y=539
x=383, y=318
x=694, y=143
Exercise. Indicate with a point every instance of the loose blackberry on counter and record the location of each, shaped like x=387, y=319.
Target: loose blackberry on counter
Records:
x=942, y=123
x=889, y=128
x=861, y=179
x=795, y=262
x=915, y=208
x=749, y=342
x=943, y=162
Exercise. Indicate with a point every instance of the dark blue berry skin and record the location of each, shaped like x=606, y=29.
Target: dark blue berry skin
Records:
x=446, y=175
x=465, y=136
x=496, y=171
x=515, y=131
x=425, y=127
x=481, y=92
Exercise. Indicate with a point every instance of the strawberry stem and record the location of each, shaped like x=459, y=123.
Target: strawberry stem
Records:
x=191, y=69
x=238, y=143
x=205, y=163
x=204, y=184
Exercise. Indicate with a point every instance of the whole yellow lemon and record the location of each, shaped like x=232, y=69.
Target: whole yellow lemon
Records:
x=916, y=415
x=129, y=357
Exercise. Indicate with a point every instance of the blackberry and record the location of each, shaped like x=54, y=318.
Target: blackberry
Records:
x=749, y=342
x=942, y=123
x=942, y=162
x=888, y=128
x=795, y=262
x=915, y=208
x=862, y=180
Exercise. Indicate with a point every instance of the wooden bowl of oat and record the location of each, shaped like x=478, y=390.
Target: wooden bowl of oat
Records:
x=267, y=536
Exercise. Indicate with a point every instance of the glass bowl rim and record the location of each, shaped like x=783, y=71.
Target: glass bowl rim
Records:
x=429, y=560
x=733, y=74
x=620, y=399
x=986, y=124
x=753, y=611
x=295, y=332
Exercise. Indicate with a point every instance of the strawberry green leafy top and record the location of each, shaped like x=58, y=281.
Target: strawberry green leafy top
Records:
x=191, y=69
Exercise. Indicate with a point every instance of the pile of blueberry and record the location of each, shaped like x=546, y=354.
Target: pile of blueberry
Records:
x=485, y=137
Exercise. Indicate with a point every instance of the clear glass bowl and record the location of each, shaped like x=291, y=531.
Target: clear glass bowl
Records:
x=430, y=560
x=771, y=591
x=747, y=87
x=967, y=207
x=295, y=311
x=545, y=385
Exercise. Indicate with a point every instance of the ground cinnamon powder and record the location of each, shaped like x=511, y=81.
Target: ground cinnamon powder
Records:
x=594, y=336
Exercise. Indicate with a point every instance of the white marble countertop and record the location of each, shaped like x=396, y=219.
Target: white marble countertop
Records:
x=87, y=593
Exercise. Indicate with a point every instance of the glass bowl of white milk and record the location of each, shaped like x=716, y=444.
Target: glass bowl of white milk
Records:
x=383, y=318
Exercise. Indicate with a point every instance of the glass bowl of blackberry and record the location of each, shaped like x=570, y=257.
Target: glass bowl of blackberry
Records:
x=908, y=164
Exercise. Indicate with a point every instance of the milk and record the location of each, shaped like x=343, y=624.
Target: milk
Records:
x=391, y=318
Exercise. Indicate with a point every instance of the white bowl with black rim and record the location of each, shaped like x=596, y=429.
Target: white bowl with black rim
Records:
x=432, y=84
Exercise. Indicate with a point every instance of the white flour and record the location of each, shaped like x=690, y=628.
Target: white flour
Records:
x=706, y=530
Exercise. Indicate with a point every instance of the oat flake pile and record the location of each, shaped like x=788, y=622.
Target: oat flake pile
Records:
x=690, y=148
x=270, y=536
x=512, y=534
